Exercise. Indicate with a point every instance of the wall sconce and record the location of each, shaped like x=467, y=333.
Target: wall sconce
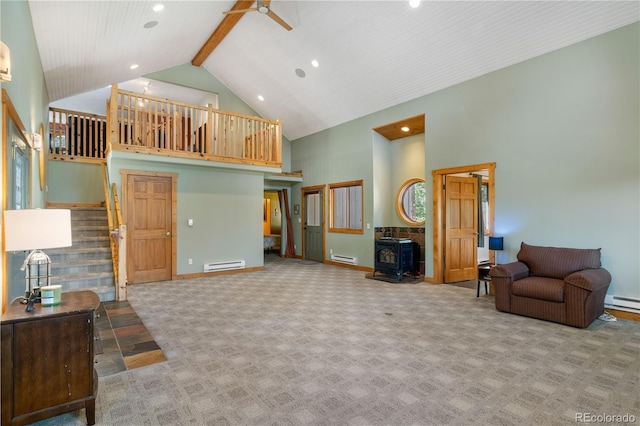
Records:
x=5, y=63
x=36, y=141
x=36, y=229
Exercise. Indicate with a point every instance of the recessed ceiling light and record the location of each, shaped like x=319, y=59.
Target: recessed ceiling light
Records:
x=300, y=72
x=404, y=129
x=414, y=3
x=315, y=63
x=151, y=24
x=260, y=98
x=158, y=7
x=133, y=67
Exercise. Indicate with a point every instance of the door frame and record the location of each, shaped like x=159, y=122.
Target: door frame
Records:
x=124, y=178
x=439, y=216
x=303, y=191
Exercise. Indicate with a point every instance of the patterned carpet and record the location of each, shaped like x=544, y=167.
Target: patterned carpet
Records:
x=313, y=344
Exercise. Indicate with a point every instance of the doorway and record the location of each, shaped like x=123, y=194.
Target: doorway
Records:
x=149, y=212
x=313, y=227
x=444, y=244
x=272, y=224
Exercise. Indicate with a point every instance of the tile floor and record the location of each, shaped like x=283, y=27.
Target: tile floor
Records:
x=124, y=342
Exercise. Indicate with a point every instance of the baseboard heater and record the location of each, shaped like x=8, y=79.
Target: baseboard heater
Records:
x=630, y=304
x=350, y=260
x=224, y=266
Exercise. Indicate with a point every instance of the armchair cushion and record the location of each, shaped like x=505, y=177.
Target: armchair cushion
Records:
x=550, y=289
x=557, y=262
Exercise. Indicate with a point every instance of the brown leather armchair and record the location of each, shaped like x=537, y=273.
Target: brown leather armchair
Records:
x=563, y=285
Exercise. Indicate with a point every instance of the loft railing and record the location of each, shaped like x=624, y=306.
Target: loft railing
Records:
x=76, y=135
x=147, y=124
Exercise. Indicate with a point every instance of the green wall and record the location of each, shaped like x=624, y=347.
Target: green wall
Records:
x=563, y=129
x=225, y=205
x=409, y=152
x=74, y=182
x=28, y=94
x=26, y=89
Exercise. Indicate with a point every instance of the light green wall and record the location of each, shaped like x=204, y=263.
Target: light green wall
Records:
x=407, y=161
x=225, y=205
x=28, y=95
x=395, y=162
x=26, y=89
x=339, y=154
x=563, y=129
x=74, y=182
x=383, y=181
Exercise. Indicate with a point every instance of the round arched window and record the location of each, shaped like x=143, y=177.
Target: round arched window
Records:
x=410, y=202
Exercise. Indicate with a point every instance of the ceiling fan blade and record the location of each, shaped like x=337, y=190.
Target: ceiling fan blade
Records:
x=220, y=32
x=279, y=20
x=265, y=3
x=231, y=12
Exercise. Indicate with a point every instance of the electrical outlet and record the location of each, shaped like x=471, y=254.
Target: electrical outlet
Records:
x=294, y=247
x=190, y=261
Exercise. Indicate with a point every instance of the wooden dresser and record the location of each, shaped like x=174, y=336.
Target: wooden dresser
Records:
x=47, y=359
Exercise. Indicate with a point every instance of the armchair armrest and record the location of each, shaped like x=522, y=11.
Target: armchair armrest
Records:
x=514, y=271
x=502, y=276
x=589, y=279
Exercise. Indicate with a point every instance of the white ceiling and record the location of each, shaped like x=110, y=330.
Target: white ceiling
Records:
x=372, y=54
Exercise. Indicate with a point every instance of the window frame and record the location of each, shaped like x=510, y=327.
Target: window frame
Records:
x=486, y=214
x=340, y=185
x=400, y=205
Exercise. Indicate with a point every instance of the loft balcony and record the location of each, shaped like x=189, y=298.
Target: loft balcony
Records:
x=150, y=125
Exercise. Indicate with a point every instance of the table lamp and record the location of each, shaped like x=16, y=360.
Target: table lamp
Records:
x=496, y=244
x=35, y=230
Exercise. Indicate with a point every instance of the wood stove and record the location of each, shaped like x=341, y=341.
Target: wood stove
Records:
x=395, y=256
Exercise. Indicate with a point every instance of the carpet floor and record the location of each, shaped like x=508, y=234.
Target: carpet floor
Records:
x=301, y=344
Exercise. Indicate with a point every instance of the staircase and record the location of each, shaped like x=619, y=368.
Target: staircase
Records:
x=87, y=264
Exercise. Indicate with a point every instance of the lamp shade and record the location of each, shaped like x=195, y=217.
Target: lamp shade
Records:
x=495, y=243
x=30, y=229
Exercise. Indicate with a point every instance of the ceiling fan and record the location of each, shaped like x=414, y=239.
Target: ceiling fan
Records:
x=263, y=7
x=230, y=19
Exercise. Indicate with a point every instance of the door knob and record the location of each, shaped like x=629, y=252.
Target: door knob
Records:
x=168, y=234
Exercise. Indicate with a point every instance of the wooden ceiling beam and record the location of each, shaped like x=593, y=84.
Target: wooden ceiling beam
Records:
x=228, y=22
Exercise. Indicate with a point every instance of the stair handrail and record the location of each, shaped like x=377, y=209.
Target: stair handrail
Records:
x=115, y=237
x=116, y=205
x=121, y=282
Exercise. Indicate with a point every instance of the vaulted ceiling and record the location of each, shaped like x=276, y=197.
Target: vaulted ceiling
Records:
x=372, y=54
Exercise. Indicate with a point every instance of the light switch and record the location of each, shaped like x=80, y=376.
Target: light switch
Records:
x=190, y=222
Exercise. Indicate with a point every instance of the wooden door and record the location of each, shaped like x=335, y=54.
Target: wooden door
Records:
x=461, y=227
x=149, y=228
x=313, y=213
